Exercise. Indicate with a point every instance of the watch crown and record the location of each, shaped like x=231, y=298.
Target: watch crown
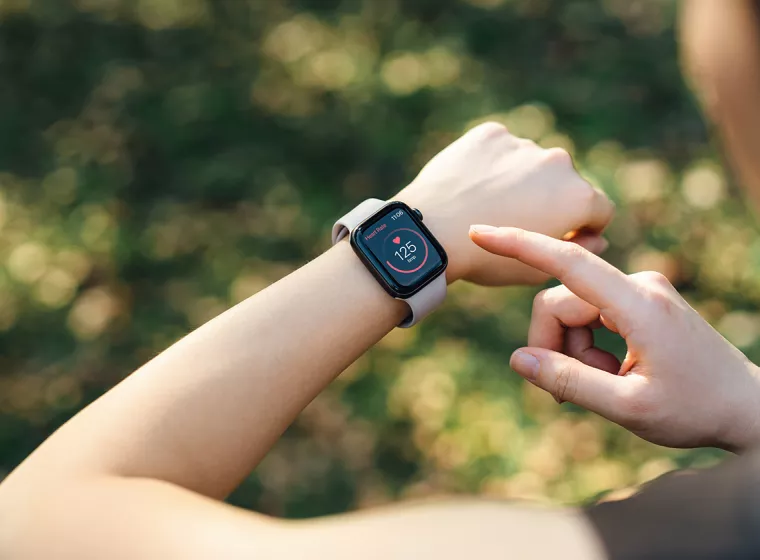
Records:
x=417, y=213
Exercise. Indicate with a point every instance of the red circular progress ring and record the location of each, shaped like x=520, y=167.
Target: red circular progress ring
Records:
x=423, y=242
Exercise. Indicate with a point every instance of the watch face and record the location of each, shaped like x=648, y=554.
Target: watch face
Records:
x=399, y=249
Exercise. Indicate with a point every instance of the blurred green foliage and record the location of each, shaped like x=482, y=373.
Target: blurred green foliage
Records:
x=161, y=160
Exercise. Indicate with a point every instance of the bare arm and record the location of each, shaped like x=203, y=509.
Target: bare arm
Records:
x=721, y=54
x=203, y=414
x=195, y=420
x=122, y=519
x=450, y=530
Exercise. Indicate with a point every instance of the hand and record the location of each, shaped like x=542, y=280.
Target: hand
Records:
x=490, y=176
x=681, y=383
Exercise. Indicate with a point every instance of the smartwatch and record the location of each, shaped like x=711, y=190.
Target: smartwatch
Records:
x=400, y=252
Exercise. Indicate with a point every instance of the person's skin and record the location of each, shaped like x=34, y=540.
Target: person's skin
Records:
x=720, y=48
x=138, y=473
x=681, y=383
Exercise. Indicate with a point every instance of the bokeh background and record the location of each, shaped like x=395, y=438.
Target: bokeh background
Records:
x=161, y=160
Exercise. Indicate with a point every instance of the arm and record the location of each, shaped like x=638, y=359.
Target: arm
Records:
x=126, y=519
x=201, y=415
x=449, y=531
x=721, y=54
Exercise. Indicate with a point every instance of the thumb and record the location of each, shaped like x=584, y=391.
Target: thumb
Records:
x=567, y=379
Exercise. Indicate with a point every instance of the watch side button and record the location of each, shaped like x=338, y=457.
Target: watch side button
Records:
x=417, y=213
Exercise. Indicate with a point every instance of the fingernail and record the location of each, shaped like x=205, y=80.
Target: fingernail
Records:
x=479, y=228
x=525, y=364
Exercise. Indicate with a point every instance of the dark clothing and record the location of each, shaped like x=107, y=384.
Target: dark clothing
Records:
x=711, y=513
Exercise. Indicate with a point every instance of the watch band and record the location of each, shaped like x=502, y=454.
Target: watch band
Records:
x=347, y=223
x=423, y=302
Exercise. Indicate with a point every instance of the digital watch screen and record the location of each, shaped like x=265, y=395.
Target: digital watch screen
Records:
x=400, y=251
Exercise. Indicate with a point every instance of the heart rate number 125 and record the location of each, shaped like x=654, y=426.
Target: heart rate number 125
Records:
x=405, y=251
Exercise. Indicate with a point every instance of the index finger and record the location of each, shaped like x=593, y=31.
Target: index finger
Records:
x=586, y=275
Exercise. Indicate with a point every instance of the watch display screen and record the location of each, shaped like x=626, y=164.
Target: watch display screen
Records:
x=400, y=248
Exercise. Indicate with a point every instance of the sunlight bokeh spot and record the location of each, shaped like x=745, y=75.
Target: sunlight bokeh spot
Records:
x=332, y=69
x=295, y=38
x=56, y=288
x=405, y=73
x=648, y=259
x=643, y=180
x=704, y=185
x=92, y=312
x=531, y=121
x=740, y=327
x=28, y=262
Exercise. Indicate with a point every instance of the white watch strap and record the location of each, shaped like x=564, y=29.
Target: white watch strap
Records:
x=347, y=223
x=423, y=302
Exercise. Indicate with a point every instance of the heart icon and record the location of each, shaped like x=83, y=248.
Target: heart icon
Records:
x=397, y=240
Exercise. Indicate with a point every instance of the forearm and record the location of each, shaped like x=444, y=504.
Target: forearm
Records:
x=721, y=50
x=448, y=530
x=203, y=413
x=158, y=520
x=96, y=518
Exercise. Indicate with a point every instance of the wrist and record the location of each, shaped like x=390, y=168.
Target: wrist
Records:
x=396, y=247
x=369, y=292
x=439, y=222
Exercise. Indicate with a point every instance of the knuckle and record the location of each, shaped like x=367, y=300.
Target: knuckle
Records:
x=542, y=301
x=657, y=290
x=662, y=301
x=566, y=383
x=582, y=198
x=585, y=193
x=559, y=156
x=491, y=129
x=549, y=299
x=654, y=278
